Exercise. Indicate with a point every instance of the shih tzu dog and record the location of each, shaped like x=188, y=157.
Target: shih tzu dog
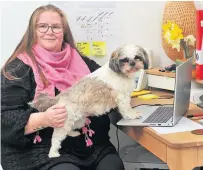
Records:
x=96, y=94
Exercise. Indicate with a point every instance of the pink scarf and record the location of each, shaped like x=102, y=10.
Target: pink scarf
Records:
x=61, y=69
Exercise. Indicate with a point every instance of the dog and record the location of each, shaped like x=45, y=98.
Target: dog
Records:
x=106, y=88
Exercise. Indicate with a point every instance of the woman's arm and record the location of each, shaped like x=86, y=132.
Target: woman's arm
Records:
x=15, y=112
x=54, y=117
x=35, y=123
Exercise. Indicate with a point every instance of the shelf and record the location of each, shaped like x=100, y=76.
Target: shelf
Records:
x=155, y=71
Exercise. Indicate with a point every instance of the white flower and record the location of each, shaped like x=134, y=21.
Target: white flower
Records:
x=176, y=44
x=190, y=39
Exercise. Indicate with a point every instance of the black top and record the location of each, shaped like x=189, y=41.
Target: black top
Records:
x=18, y=150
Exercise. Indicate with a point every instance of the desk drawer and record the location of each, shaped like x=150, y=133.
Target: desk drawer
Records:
x=200, y=156
x=161, y=82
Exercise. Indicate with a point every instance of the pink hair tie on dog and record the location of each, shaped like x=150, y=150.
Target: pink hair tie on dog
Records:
x=37, y=139
x=88, y=132
x=91, y=132
x=89, y=142
x=84, y=130
x=88, y=121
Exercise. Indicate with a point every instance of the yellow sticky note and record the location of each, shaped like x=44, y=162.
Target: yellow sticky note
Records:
x=148, y=96
x=98, y=48
x=84, y=48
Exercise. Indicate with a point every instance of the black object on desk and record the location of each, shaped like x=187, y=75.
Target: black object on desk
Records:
x=201, y=98
x=200, y=104
x=171, y=67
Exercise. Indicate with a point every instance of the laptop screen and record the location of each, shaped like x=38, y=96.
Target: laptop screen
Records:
x=182, y=89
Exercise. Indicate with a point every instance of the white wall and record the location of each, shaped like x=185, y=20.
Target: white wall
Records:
x=140, y=22
x=143, y=21
x=14, y=20
x=134, y=24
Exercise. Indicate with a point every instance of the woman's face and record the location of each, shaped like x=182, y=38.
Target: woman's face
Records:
x=49, y=31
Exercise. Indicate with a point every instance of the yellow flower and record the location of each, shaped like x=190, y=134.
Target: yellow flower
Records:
x=167, y=26
x=173, y=34
x=176, y=35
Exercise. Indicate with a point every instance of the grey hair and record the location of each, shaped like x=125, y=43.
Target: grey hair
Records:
x=114, y=63
x=43, y=101
x=146, y=58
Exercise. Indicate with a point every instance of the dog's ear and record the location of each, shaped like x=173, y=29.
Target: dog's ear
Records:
x=114, y=64
x=113, y=55
x=146, y=59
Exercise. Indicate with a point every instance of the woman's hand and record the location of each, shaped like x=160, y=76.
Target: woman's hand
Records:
x=55, y=116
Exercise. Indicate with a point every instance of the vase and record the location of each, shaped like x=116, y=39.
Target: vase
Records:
x=182, y=13
x=194, y=73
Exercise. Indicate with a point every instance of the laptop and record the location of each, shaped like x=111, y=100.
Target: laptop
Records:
x=167, y=115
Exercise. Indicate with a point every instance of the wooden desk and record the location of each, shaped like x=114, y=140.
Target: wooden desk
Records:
x=181, y=151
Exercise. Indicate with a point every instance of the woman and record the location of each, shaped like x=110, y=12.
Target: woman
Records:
x=46, y=60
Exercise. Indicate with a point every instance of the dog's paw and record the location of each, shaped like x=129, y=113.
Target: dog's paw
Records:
x=74, y=133
x=53, y=154
x=133, y=115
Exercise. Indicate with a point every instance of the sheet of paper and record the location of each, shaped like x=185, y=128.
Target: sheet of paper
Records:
x=183, y=125
x=98, y=48
x=84, y=48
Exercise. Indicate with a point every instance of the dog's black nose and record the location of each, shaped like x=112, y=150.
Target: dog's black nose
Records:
x=132, y=63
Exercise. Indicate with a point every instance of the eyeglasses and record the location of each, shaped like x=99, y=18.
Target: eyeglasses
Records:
x=43, y=28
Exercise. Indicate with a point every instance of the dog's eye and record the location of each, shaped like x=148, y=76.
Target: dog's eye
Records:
x=137, y=57
x=124, y=59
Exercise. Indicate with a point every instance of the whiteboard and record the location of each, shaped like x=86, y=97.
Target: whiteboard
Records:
x=93, y=21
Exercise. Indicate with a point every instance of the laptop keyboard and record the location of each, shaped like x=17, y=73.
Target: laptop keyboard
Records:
x=160, y=115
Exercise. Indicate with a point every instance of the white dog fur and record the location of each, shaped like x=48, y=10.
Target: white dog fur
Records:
x=108, y=87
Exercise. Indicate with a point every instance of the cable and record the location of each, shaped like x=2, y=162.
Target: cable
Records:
x=118, y=142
